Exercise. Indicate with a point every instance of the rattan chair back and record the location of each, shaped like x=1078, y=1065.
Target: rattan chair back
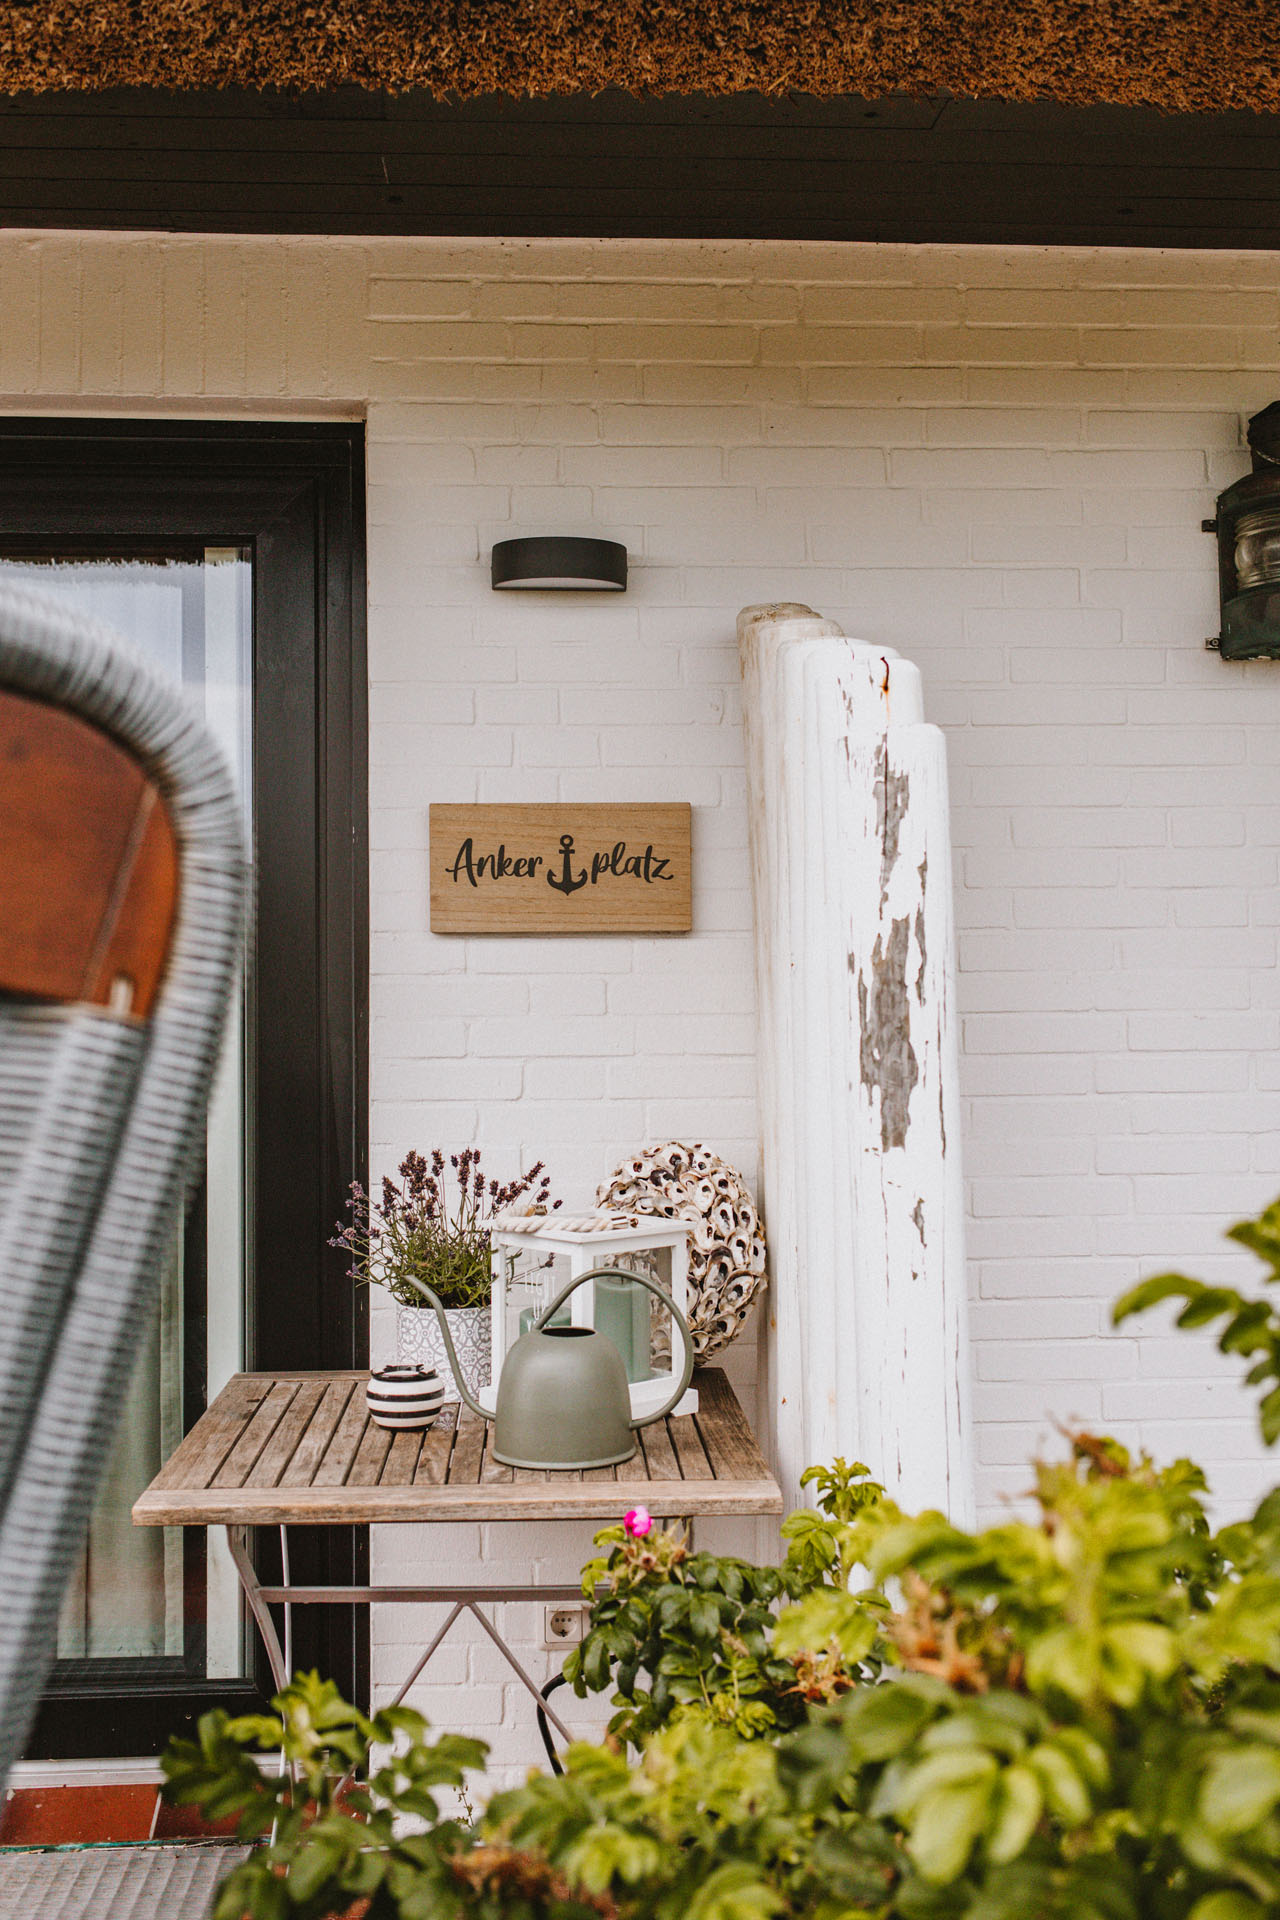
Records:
x=122, y=899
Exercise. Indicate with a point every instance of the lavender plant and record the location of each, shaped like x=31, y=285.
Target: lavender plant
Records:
x=434, y=1226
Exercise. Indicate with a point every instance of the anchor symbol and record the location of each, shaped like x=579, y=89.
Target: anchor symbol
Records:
x=566, y=883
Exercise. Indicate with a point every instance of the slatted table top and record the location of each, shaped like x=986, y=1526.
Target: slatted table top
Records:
x=299, y=1448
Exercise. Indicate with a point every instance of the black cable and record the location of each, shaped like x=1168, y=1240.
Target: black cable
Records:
x=556, y=1680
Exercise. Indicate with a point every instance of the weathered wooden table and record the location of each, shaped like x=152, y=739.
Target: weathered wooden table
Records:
x=299, y=1449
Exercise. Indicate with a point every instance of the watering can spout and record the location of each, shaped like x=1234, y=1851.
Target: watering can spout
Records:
x=563, y=1401
x=459, y=1380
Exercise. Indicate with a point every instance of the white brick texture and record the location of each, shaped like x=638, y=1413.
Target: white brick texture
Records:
x=995, y=460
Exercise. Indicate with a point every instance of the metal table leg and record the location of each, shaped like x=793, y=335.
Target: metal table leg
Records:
x=517, y=1669
x=238, y=1544
x=460, y=1600
x=455, y=1610
x=286, y=1580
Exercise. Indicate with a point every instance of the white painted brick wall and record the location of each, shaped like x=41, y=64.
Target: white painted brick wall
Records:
x=995, y=460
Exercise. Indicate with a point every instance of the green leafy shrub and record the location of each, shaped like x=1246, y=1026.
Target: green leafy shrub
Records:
x=1080, y=1717
x=336, y=1812
x=1252, y=1324
x=677, y=1632
x=708, y=1827
x=1072, y=1716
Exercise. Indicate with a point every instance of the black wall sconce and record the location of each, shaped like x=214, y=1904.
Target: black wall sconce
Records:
x=560, y=563
x=1247, y=524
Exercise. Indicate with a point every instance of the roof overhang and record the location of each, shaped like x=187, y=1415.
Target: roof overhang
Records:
x=744, y=166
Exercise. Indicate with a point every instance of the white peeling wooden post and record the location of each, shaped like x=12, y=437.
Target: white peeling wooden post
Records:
x=855, y=968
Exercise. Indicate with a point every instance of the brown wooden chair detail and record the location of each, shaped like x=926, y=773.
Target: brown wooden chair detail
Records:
x=88, y=864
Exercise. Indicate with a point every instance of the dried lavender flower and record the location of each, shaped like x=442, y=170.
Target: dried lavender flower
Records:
x=411, y=1233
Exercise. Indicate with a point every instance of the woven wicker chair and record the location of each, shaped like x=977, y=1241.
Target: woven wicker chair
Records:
x=122, y=889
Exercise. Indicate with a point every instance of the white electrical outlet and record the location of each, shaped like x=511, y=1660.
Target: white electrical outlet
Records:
x=563, y=1626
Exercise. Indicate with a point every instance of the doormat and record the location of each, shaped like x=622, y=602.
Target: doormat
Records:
x=113, y=1883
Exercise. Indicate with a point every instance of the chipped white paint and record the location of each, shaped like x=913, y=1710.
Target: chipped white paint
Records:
x=851, y=868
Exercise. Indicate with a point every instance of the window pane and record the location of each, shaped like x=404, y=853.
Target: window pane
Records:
x=141, y=1593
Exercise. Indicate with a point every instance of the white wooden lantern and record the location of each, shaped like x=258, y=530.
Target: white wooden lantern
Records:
x=535, y=1256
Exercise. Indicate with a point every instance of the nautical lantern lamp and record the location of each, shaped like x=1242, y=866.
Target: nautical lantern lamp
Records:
x=536, y=1255
x=1247, y=523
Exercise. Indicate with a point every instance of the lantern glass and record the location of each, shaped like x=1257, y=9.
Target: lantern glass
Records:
x=534, y=1277
x=1257, y=553
x=637, y=1323
x=1247, y=525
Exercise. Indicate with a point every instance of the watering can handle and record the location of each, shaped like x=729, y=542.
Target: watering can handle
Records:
x=420, y=1286
x=659, y=1293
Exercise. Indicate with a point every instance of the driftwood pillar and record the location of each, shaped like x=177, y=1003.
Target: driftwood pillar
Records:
x=855, y=964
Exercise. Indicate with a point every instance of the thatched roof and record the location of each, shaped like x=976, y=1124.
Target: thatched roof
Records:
x=1183, y=55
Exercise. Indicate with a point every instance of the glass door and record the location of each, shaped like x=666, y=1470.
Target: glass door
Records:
x=231, y=557
x=142, y=1597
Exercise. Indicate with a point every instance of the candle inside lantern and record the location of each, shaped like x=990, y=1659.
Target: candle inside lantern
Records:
x=622, y=1312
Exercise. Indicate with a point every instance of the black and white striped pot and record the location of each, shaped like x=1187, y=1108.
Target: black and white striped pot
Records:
x=404, y=1398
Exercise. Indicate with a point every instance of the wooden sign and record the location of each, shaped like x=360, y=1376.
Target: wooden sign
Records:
x=561, y=869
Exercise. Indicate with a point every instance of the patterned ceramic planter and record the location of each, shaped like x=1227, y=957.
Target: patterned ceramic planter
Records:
x=419, y=1343
x=404, y=1398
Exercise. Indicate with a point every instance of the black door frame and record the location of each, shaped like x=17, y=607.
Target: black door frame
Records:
x=294, y=495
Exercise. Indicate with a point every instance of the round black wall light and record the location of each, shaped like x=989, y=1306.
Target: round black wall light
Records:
x=1247, y=523
x=561, y=563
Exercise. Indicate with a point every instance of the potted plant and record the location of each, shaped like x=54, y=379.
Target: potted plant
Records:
x=433, y=1226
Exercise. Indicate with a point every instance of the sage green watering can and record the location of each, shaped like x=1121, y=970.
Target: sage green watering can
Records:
x=563, y=1399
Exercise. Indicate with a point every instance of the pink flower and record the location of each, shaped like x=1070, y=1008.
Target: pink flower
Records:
x=638, y=1522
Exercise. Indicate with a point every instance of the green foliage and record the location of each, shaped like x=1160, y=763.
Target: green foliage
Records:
x=680, y=1633
x=1080, y=1717
x=349, y=1781
x=1069, y=1716
x=1252, y=1325
x=706, y=1827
